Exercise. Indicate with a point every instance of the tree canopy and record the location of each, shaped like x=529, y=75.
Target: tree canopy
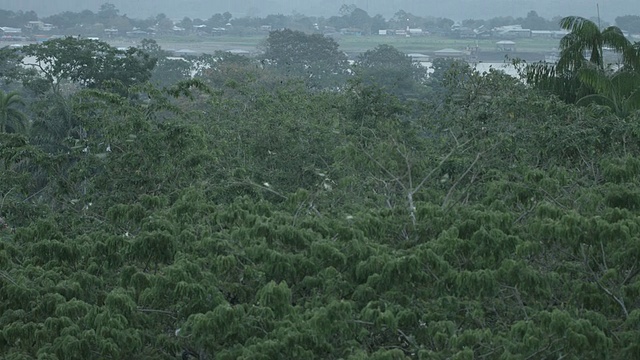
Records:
x=90, y=63
x=314, y=58
x=243, y=213
x=394, y=71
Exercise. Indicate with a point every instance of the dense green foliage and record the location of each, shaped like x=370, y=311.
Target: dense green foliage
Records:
x=245, y=214
x=393, y=71
x=314, y=57
x=90, y=63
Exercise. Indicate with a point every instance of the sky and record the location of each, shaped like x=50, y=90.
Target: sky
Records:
x=453, y=9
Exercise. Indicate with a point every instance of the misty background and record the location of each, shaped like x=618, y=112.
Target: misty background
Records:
x=453, y=9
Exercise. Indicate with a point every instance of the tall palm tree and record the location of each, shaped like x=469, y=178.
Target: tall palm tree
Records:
x=584, y=37
x=11, y=119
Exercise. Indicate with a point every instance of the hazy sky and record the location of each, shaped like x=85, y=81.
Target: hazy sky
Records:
x=454, y=9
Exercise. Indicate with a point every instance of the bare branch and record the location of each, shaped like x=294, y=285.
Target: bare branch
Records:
x=446, y=198
x=428, y=176
x=631, y=274
x=615, y=298
x=596, y=278
x=4, y=197
x=155, y=311
x=393, y=177
x=604, y=259
x=517, y=295
x=6, y=276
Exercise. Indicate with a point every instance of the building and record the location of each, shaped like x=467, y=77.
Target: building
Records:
x=351, y=31
x=111, y=32
x=550, y=34
x=464, y=32
x=450, y=53
x=511, y=31
x=38, y=25
x=138, y=33
x=506, y=45
x=417, y=57
x=4, y=30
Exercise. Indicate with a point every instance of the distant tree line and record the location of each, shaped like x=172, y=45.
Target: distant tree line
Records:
x=109, y=17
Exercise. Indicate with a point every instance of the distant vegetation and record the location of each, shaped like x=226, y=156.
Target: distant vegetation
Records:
x=108, y=21
x=297, y=206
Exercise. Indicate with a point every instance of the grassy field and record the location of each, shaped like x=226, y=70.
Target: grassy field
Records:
x=351, y=44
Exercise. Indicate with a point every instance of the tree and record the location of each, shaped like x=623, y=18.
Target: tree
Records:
x=378, y=23
x=224, y=68
x=107, y=12
x=534, y=21
x=227, y=17
x=10, y=65
x=630, y=23
x=71, y=21
x=163, y=23
x=584, y=38
x=392, y=70
x=445, y=23
x=216, y=21
x=167, y=71
x=360, y=19
x=448, y=77
x=11, y=119
x=314, y=58
x=90, y=63
x=152, y=48
x=501, y=21
x=186, y=23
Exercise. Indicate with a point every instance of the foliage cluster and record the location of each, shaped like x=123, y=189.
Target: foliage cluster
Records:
x=245, y=214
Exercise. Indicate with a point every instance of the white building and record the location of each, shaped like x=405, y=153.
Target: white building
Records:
x=5, y=30
x=511, y=31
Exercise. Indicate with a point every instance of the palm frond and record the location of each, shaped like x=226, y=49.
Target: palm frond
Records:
x=598, y=100
x=632, y=102
x=11, y=119
x=614, y=38
x=597, y=79
x=626, y=82
x=578, y=24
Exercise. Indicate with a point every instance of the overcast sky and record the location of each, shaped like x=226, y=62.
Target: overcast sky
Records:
x=453, y=9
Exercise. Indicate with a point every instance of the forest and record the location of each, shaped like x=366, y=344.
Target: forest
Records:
x=298, y=206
